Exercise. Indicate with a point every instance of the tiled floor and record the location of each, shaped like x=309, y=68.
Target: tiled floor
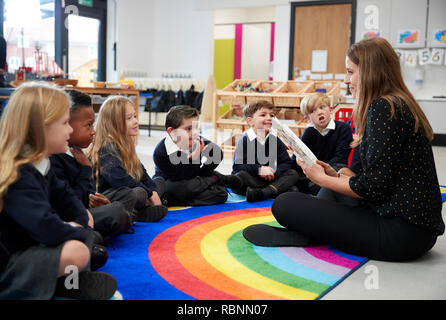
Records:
x=421, y=279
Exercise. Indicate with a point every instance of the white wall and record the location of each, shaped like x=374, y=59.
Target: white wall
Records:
x=134, y=26
x=282, y=42
x=221, y=4
x=157, y=36
x=182, y=39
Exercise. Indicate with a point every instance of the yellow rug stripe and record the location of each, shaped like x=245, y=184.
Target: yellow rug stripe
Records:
x=214, y=250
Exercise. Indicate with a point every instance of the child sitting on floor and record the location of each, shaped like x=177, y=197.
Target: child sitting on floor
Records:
x=115, y=162
x=45, y=229
x=187, y=162
x=328, y=139
x=112, y=210
x=261, y=160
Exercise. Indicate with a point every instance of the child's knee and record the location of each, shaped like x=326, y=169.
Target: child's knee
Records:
x=75, y=253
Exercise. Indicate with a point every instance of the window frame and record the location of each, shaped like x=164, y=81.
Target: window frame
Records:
x=98, y=11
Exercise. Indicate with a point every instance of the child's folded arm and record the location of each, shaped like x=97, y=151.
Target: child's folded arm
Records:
x=28, y=206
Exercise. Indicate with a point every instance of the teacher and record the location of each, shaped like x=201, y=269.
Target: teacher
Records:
x=398, y=217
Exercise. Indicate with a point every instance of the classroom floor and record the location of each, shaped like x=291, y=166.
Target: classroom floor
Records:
x=421, y=279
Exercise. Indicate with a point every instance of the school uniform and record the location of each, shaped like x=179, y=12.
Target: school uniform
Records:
x=33, y=231
x=253, y=152
x=190, y=182
x=332, y=145
x=109, y=220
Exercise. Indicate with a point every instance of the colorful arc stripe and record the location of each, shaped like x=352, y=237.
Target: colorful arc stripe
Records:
x=208, y=258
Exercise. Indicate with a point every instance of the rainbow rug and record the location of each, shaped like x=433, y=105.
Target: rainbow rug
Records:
x=200, y=253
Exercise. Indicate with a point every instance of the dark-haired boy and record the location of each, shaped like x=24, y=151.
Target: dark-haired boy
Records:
x=261, y=159
x=187, y=162
x=112, y=210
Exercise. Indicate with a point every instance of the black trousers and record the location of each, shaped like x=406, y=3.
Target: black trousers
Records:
x=114, y=218
x=355, y=229
x=199, y=191
x=282, y=183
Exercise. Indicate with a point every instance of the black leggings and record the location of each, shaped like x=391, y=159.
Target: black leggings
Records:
x=354, y=229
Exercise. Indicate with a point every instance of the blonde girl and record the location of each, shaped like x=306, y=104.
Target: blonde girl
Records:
x=115, y=162
x=43, y=225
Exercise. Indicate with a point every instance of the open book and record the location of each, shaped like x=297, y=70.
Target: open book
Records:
x=293, y=142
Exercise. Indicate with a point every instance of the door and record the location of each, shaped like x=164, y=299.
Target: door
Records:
x=81, y=39
x=83, y=44
x=328, y=26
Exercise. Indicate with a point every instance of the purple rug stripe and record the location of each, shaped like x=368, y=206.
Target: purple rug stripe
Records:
x=323, y=253
x=303, y=257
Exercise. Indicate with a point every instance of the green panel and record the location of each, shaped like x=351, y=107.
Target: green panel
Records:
x=223, y=62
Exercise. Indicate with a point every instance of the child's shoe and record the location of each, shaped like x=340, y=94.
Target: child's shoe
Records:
x=91, y=286
x=99, y=256
x=257, y=194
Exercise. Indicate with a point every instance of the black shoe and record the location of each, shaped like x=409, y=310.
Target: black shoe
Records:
x=254, y=194
x=99, y=256
x=151, y=214
x=257, y=194
x=91, y=286
x=269, y=236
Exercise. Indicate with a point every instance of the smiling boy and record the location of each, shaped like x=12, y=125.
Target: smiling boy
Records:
x=261, y=160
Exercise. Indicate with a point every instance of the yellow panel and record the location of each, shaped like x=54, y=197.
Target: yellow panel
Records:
x=223, y=62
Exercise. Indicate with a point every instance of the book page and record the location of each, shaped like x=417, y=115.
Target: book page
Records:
x=293, y=142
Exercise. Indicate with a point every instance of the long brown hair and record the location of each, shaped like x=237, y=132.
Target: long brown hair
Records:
x=23, y=140
x=380, y=77
x=111, y=129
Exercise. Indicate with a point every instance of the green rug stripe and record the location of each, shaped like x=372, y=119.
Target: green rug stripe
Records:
x=244, y=252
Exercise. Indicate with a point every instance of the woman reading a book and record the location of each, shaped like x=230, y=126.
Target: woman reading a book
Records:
x=398, y=217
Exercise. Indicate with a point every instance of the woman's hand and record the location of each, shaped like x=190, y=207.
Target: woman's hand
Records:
x=347, y=172
x=328, y=169
x=315, y=173
x=266, y=173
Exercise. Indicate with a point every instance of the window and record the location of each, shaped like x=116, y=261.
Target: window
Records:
x=56, y=36
x=29, y=34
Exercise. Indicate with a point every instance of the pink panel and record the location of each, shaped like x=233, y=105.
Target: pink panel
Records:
x=238, y=51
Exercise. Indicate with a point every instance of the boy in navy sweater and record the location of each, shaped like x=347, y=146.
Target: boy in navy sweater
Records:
x=262, y=160
x=187, y=162
x=328, y=139
x=111, y=210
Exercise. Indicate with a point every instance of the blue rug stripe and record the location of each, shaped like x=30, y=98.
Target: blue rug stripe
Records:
x=276, y=258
